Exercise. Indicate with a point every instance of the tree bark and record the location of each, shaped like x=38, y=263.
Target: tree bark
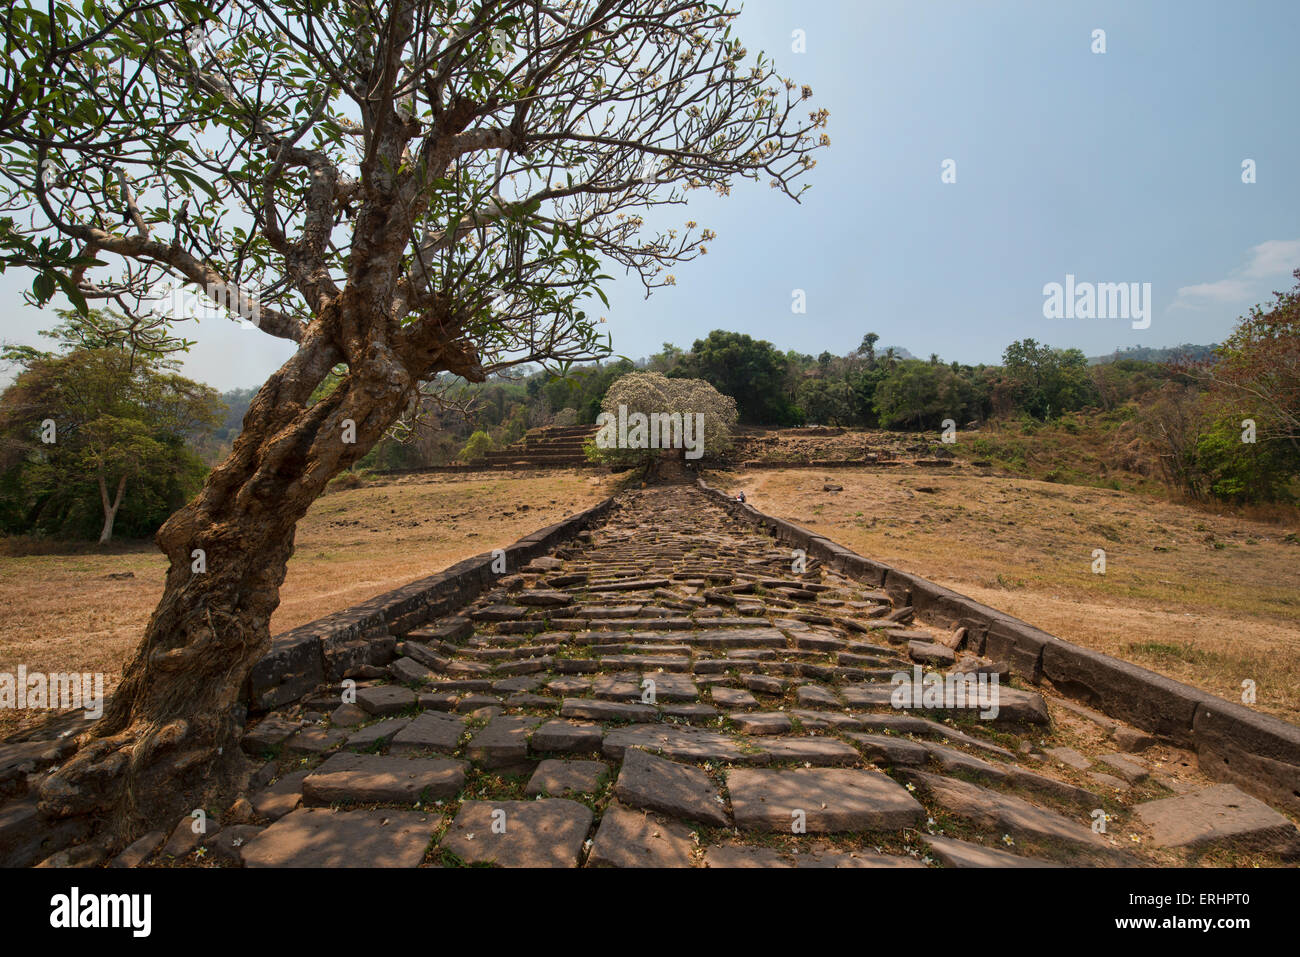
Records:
x=168, y=742
x=110, y=510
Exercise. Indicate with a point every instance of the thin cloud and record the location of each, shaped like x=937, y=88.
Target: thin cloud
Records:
x=1277, y=257
x=1269, y=260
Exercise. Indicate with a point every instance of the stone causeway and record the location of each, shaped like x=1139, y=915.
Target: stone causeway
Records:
x=674, y=679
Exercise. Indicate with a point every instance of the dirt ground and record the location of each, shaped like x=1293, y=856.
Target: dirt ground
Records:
x=1209, y=600
x=61, y=612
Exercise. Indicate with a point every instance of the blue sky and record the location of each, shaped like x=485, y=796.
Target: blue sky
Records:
x=1115, y=167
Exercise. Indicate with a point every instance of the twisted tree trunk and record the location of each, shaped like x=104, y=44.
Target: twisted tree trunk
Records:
x=169, y=741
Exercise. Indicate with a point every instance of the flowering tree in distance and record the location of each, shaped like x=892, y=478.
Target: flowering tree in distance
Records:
x=644, y=413
x=401, y=189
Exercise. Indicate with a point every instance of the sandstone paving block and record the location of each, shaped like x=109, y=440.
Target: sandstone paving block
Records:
x=763, y=684
x=347, y=716
x=557, y=777
x=1070, y=758
x=764, y=722
x=1005, y=813
x=732, y=698
x=513, y=685
x=182, y=839
x=568, y=737
x=868, y=695
x=227, y=844
x=825, y=720
x=408, y=671
x=692, y=712
x=268, y=734
x=595, y=710
x=460, y=685
x=678, y=790
x=492, y=613
x=325, y=838
x=525, y=700
x=545, y=833
x=424, y=656
x=383, y=779
x=569, y=686
x=817, y=696
x=1220, y=815
x=831, y=799
x=636, y=838
x=930, y=653
x=1131, y=740
x=825, y=858
x=474, y=702
x=449, y=629
x=502, y=742
x=952, y=761
x=315, y=741
x=624, y=686
x=1109, y=781
x=1017, y=706
x=1126, y=767
x=744, y=636
x=281, y=797
x=902, y=723
x=544, y=563
x=139, y=850
x=374, y=735
x=955, y=853
x=430, y=731
x=385, y=699
x=544, y=598
x=1053, y=788
x=526, y=667
x=809, y=750
x=682, y=742
x=741, y=856
x=668, y=687
x=467, y=670
x=889, y=749
x=438, y=701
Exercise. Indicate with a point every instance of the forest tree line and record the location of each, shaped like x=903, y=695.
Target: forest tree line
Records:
x=133, y=439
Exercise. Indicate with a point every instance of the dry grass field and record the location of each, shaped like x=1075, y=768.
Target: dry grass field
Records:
x=61, y=612
x=1207, y=599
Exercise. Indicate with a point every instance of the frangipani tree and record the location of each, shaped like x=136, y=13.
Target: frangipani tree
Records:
x=400, y=189
x=644, y=413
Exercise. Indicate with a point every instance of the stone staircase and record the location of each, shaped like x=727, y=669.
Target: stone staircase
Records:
x=673, y=688
x=547, y=447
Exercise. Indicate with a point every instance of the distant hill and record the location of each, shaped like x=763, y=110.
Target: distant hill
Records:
x=237, y=402
x=1146, y=354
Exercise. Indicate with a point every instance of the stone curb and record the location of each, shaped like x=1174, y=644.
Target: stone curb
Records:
x=322, y=650
x=1257, y=752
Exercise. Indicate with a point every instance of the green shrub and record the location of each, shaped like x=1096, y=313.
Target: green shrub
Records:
x=477, y=448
